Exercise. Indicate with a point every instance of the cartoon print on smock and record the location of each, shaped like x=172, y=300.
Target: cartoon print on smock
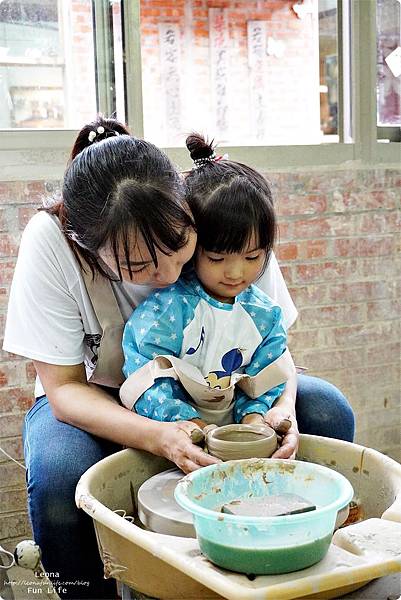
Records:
x=219, y=339
x=231, y=361
x=185, y=322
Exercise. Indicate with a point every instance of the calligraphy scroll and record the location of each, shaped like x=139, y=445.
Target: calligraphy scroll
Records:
x=257, y=78
x=218, y=36
x=170, y=70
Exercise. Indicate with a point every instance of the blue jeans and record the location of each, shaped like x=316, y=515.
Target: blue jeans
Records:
x=57, y=454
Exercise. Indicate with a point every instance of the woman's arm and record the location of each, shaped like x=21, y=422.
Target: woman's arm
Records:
x=90, y=408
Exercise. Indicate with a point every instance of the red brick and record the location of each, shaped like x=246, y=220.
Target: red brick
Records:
x=13, y=500
x=346, y=247
x=10, y=425
x=9, y=244
x=6, y=271
x=363, y=247
x=308, y=295
x=327, y=315
x=3, y=298
x=150, y=12
x=25, y=214
x=384, y=310
x=364, y=200
x=283, y=231
x=7, y=219
x=333, y=360
x=300, y=204
x=34, y=191
x=11, y=374
x=30, y=372
x=11, y=192
x=13, y=447
x=324, y=271
x=311, y=228
x=314, y=249
x=303, y=339
x=364, y=334
x=377, y=246
x=287, y=273
x=384, y=354
x=358, y=291
x=378, y=266
x=365, y=376
x=15, y=524
x=373, y=223
x=287, y=251
x=16, y=400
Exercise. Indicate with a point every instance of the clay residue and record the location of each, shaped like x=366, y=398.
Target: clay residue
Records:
x=86, y=502
x=264, y=477
x=122, y=474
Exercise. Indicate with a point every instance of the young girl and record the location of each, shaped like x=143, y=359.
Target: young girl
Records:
x=213, y=348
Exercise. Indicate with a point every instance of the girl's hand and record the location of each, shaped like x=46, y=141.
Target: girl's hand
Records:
x=290, y=441
x=174, y=443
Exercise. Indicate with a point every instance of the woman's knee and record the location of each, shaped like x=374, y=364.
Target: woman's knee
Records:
x=56, y=456
x=322, y=409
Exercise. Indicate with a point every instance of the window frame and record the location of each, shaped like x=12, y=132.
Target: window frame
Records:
x=43, y=153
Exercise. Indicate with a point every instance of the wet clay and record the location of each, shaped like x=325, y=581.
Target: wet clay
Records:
x=241, y=436
x=233, y=442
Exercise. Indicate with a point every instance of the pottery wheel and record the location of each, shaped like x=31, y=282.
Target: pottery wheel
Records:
x=157, y=508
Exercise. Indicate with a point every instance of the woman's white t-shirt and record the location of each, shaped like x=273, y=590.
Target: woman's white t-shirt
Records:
x=50, y=315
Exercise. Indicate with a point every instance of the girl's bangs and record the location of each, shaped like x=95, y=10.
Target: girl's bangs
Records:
x=232, y=232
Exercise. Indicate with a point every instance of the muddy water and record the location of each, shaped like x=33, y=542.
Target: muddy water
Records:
x=258, y=561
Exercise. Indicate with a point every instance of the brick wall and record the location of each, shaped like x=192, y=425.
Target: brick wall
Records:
x=339, y=255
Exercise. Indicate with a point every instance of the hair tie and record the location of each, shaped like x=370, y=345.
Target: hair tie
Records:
x=201, y=162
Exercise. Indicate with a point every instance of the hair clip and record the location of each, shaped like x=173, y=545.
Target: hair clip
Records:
x=92, y=134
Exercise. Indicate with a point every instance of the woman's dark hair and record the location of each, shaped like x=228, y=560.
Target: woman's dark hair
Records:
x=230, y=202
x=115, y=187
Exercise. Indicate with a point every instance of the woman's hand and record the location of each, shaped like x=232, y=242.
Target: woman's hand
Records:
x=174, y=443
x=290, y=441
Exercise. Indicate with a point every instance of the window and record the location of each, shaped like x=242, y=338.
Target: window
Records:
x=46, y=64
x=279, y=79
x=388, y=68
x=251, y=73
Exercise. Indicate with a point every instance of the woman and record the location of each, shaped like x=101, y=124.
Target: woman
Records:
x=121, y=229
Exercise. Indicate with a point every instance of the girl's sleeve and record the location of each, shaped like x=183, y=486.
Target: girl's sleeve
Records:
x=156, y=328
x=272, y=347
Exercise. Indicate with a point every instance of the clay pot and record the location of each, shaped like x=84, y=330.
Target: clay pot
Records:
x=233, y=442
